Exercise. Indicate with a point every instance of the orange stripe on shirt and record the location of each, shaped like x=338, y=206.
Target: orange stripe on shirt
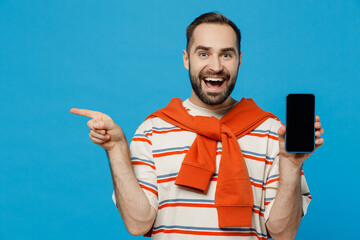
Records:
x=187, y=205
x=166, y=180
x=263, y=135
x=258, y=212
x=254, y=158
x=258, y=159
x=149, y=189
x=212, y=179
x=141, y=140
x=272, y=180
x=257, y=185
x=169, y=153
x=258, y=134
x=167, y=131
x=273, y=137
x=142, y=163
x=174, y=178
x=199, y=205
x=268, y=162
x=208, y=233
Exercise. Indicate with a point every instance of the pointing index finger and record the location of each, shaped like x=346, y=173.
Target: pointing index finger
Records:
x=85, y=112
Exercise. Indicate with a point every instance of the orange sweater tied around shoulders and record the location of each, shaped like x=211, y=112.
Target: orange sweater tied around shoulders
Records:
x=233, y=196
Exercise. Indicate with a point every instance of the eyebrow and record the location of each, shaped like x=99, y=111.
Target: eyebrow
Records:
x=229, y=49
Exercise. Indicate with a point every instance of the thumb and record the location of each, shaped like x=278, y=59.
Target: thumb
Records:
x=104, y=124
x=281, y=132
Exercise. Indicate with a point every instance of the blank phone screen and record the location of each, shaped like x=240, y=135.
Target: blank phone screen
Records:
x=300, y=119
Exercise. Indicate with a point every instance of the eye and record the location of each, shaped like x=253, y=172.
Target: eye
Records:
x=227, y=55
x=203, y=54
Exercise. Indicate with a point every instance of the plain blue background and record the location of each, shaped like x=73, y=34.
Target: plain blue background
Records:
x=125, y=59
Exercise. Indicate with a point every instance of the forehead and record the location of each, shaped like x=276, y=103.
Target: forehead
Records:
x=214, y=35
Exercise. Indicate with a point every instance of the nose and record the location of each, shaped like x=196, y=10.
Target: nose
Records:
x=215, y=64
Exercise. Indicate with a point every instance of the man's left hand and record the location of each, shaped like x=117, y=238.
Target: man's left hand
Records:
x=297, y=159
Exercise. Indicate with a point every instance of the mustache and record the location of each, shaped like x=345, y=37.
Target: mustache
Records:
x=222, y=73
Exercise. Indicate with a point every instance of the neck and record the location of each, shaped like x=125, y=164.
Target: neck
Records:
x=194, y=99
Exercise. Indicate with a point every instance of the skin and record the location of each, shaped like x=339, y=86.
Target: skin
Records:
x=206, y=55
x=213, y=51
x=286, y=212
x=134, y=207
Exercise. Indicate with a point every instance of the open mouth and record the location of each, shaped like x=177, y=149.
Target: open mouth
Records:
x=213, y=83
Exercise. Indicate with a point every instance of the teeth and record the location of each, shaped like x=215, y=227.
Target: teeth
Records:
x=214, y=79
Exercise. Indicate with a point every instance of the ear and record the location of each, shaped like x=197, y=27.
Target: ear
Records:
x=186, y=59
x=240, y=60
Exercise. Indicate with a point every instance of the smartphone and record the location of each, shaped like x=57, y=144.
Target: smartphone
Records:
x=300, y=120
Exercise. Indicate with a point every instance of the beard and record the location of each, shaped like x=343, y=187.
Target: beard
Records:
x=212, y=98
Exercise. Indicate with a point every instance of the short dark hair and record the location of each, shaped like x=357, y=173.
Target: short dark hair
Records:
x=211, y=17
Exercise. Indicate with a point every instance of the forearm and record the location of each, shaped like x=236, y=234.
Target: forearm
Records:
x=286, y=212
x=134, y=207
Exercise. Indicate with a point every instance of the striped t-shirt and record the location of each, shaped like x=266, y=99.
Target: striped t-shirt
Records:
x=157, y=151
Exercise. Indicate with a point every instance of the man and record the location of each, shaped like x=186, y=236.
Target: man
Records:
x=158, y=182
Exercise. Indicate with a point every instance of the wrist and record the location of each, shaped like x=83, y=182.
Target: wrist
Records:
x=292, y=166
x=119, y=146
x=119, y=152
x=290, y=173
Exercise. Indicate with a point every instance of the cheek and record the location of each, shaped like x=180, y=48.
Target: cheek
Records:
x=232, y=69
x=196, y=69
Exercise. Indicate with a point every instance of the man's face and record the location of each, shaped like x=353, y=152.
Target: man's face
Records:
x=213, y=62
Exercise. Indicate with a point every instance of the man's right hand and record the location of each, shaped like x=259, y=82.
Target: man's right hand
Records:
x=103, y=130
x=131, y=201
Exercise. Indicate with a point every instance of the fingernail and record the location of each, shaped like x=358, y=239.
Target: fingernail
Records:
x=96, y=125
